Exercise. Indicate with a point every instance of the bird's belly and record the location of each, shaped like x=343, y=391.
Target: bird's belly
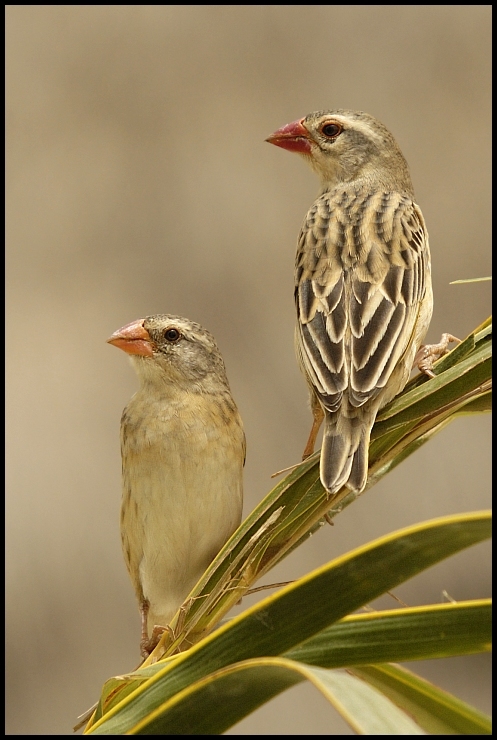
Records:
x=187, y=503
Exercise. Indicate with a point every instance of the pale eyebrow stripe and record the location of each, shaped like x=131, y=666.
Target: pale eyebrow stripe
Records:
x=361, y=126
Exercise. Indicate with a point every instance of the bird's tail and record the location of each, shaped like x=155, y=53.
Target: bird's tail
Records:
x=344, y=454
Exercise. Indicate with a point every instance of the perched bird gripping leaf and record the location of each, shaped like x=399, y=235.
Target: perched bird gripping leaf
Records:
x=362, y=284
x=183, y=450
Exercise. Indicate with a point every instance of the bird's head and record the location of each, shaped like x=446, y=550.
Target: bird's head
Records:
x=345, y=146
x=171, y=349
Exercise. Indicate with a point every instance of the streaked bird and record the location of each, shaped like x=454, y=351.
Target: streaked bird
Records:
x=183, y=451
x=362, y=284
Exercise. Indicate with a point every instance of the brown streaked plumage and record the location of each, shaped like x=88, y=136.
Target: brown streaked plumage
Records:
x=362, y=283
x=183, y=450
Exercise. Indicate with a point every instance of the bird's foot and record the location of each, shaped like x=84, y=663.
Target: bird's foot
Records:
x=427, y=354
x=148, y=644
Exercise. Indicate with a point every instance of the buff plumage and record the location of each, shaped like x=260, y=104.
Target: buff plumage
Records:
x=362, y=283
x=183, y=450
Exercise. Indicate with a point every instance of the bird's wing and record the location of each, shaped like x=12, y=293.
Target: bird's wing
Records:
x=361, y=275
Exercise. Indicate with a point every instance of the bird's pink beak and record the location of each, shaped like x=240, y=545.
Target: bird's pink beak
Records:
x=133, y=339
x=294, y=137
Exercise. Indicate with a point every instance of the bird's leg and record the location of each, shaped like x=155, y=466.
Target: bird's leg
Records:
x=147, y=644
x=427, y=354
x=145, y=641
x=318, y=414
x=144, y=607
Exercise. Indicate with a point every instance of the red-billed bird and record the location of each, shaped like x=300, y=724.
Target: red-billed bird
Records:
x=362, y=284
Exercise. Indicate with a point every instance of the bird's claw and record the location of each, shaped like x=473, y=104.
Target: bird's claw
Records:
x=427, y=354
x=148, y=644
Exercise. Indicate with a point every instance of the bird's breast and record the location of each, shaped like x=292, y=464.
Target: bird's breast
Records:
x=181, y=441
x=182, y=492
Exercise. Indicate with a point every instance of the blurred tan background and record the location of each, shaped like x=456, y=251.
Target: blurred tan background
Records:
x=138, y=182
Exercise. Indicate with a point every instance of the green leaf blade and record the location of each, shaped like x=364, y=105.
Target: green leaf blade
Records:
x=219, y=701
x=436, y=710
x=303, y=609
x=417, y=633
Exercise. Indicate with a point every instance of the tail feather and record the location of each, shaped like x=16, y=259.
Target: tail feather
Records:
x=359, y=471
x=344, y=454
x=336, y=461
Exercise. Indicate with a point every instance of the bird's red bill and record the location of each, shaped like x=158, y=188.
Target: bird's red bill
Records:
x=133, y=339
x=294, y=137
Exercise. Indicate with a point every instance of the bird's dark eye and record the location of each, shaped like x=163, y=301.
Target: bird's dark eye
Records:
x=331, y=130
x=172, y=334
